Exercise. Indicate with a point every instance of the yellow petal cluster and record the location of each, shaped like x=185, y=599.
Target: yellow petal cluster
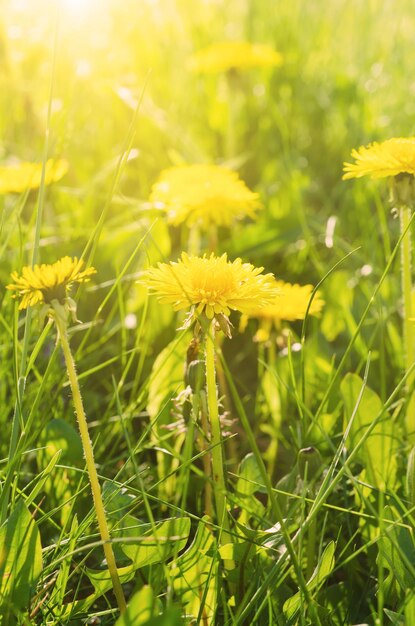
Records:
x=203, y=195
x=211, y=285
x=233, y=55
x=22, y=176
x=290, y=304
x=379, y=160
x=44, y=283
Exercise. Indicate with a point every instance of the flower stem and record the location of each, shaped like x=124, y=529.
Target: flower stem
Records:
x=90, y=463
x=207, y=457
x=272, y=451
x=194, y=240
x=219, y=486
x=230, y=137
x=408, y=324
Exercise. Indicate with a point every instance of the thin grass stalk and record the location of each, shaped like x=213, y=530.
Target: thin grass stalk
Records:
x=90, y=462
x=381, y=572
x=311, y=548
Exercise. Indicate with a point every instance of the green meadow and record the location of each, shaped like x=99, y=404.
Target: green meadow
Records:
x=247, y=468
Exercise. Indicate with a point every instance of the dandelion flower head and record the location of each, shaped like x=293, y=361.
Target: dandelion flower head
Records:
x=379, y=160
x=203, y=195
x=233, y=55
x=19, y=177
x=211, y=285
x=42, y=284
x=290, y=304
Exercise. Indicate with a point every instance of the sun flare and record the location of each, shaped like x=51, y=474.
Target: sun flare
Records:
x=78, y=9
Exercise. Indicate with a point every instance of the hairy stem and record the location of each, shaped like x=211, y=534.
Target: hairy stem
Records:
x=408, y=324
x=219, y=486
x=90, y=463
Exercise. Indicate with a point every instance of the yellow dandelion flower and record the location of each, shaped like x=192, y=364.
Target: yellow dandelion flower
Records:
x=290, y=304
x=211, y=285
x=233, y=55
x=45, y=283
x=203, y=195
x=22, y=176
x=379, y=160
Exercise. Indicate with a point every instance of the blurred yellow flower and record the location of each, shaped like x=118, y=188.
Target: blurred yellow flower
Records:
x=379, y=160
x=45, y=283
x=233, y=55
x=211, y=285
x=22, y=176
x=290, y=304
x=203, y=195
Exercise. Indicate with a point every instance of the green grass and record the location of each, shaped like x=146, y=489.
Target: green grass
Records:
x=319, y=479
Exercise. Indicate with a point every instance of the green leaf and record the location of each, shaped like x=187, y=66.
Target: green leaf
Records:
x=59, y=435
x=59, y=588
x=41, y=482
x=194, y=576
x=321, y=572
x=395, y=618
x=250, y=478
x=141, y=608
x=270, y=387
x=339, y=299
x=167, y=376
x=171, y=617
x=20, y=560
x=410, y=610
x=167, y=539
x=144, y=610
x=377, y=453
x=236, y=551
x=60, y=438
x=166, y=382
x=101, y=581
x=397, y=550
x=117, y=502
x=249, y=482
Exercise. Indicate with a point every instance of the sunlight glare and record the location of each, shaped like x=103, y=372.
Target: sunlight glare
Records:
x=78, y=8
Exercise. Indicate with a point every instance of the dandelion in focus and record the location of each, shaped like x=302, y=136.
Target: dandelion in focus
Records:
x=20, y=177
x=210, y=287
x=226, y=56
x=203, y=195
